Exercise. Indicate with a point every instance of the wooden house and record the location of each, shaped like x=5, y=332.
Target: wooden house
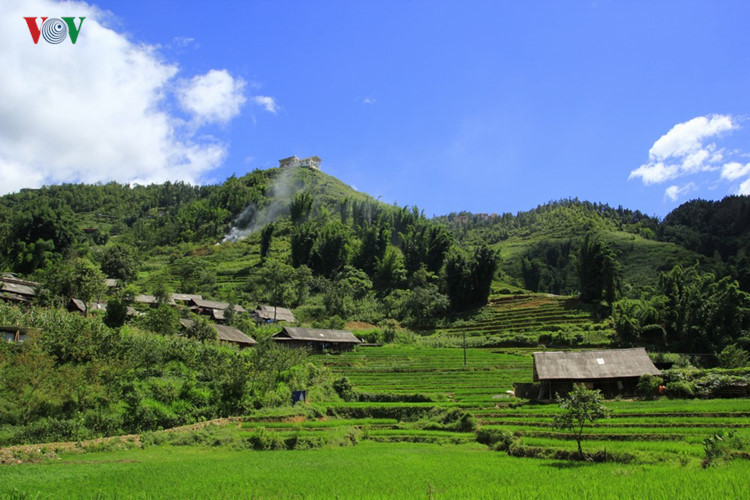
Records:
x=266, y=314
x=226, y=334
x=613, y=371
x=316, y=339
x=16, y=290
x=15, y=334
x=213, y=308
x=77, y=305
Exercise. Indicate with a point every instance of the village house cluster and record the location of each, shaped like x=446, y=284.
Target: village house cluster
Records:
x=18, y=291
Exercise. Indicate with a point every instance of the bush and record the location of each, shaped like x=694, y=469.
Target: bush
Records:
x=680, y=390
x=497, y=439
x=733, y=357
x=648, y=386
x=718, y=448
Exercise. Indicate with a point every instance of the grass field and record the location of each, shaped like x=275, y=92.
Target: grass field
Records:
x=401, y=453
x=369, y=470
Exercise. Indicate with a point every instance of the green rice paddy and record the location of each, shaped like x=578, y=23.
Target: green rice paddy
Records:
x=400, y=457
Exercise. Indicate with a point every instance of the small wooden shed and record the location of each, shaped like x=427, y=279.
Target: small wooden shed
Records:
x=317, y=339
x=612, y=371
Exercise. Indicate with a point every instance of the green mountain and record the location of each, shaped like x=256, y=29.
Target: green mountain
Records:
x=304, y=239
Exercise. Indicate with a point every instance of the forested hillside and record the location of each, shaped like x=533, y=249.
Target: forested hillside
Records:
x=302, y=239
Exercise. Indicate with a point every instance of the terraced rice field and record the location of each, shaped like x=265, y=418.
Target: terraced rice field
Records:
x=511, y=315
x=647, y=431
x=436, y=372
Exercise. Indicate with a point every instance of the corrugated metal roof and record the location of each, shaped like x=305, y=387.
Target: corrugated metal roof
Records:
x=317, y=335
x=266, y=312
x=587, y=365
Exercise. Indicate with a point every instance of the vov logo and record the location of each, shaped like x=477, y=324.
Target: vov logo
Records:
x=54, y=30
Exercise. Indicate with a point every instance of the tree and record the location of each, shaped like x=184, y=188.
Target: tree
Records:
x=300, y=207
x=265, y=241
x=119, y=262
x=580, y=407
x=202, y=330
x=79, y=279
x=598, y=271
x=468, y=279
x=277, y=283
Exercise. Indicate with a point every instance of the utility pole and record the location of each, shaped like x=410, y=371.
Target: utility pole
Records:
x=464, y=348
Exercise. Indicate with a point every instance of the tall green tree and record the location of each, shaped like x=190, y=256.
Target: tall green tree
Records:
x=277, y=283
x=265, y=240
x=598, y=271
x=300, y=207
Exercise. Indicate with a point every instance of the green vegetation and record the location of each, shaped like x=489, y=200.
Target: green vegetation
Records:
x=415, y=449
x=459, y=303
x=76, y=379
x=580, y=407
x=369, y=470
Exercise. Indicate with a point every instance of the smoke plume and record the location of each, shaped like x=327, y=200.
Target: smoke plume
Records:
x=253, y=218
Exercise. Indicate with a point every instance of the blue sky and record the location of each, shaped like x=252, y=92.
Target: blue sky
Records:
x=450, y=105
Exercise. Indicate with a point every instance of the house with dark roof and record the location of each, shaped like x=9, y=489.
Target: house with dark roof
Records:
x=17, y=290
x=185, y=298
x=265, y=313
x=77, y=305
x=317, y=339
x=225, y=333
x=613, y=371
x=215, y=309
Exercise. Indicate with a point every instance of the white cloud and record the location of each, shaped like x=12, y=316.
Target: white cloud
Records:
x=675, y=192
x=99, y=110
x=684, y=151
x=689, y=149
x=215, y=97
x=687, y=138
x=268, y=103
x=733, y=171
x=369, y=100
x=655, y=173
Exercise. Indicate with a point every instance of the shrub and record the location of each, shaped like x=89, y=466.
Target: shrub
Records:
x=262, y=439
x=718, y=448
x=497, y=439
x=733, y=357
x=680, y=389
x=648, y=386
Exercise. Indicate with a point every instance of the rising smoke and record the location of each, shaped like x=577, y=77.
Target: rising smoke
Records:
x=254, y=218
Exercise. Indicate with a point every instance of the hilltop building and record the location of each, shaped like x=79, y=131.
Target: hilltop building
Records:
x=312, y=162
